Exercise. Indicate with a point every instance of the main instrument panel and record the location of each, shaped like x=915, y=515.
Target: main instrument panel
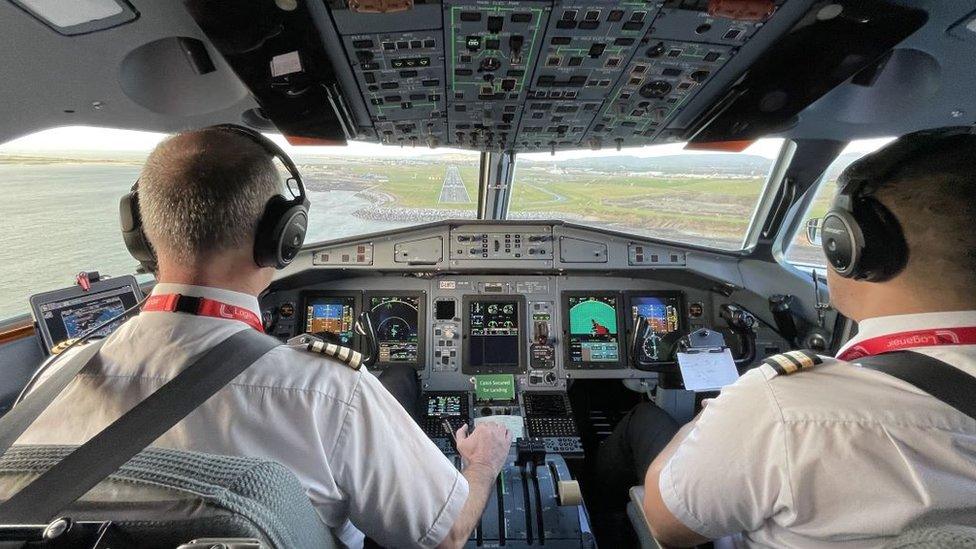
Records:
x=500, y=319
x=543, y=329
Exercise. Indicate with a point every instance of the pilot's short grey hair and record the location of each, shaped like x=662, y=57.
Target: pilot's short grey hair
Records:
x=204, y=191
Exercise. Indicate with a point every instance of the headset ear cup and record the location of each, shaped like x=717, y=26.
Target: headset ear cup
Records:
x=281, y=232
x=885, y=251
x=843, y=242
x=132, y=232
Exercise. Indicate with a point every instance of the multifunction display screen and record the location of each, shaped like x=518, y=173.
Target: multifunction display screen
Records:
x=74, y=317
x=493, y=338
x=332, y=315
x=444, y=405
x=594, y=333
x=396, y=320
x=659, y=341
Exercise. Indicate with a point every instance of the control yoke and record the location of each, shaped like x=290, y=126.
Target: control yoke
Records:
x=742, y=323
x=641, y=326
x=371, y=346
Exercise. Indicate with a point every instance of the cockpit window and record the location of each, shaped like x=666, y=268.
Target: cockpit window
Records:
x=59, y=214
x=801, y=252
x=665, y=192
x=59, y=211
x=365, y=188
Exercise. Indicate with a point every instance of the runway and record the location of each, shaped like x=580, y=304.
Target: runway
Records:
x=453, y=191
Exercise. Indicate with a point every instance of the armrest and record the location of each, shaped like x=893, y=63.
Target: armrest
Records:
x=635, y=511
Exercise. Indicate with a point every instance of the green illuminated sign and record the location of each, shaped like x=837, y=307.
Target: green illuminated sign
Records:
x=494, y=387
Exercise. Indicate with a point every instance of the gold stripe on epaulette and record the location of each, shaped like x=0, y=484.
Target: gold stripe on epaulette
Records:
x=345, y=355
x=792, y=362
x=63, y=346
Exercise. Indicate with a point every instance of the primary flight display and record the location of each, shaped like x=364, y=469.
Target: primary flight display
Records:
x=659, y=341
x=334, y=316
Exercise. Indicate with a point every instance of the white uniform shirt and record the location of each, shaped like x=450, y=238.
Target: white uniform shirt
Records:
x=834, y=456
x=355, y=449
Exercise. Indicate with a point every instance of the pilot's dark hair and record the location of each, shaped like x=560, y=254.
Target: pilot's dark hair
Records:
x=932, y=194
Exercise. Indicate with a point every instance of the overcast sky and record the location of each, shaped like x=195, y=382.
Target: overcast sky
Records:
x=78, y=138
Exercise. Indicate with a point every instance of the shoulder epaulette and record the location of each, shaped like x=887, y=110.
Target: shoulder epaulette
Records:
x=313, y=344
x=792, y=362
x=63, y=346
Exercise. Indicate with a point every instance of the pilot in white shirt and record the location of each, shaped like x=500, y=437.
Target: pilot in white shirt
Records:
x=839, y=455
x=365, y=463
x=834, y=456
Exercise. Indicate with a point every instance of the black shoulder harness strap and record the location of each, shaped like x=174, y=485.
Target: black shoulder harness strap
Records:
x=944, y=382
x=20, y=417
x=138, y=428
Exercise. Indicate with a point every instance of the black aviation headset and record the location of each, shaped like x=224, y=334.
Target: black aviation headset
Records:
x=861, y=238
x=281, y=231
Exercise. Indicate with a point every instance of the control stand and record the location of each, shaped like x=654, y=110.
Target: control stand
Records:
x=535, y=503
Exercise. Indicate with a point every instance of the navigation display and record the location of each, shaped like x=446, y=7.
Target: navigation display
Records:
x=659, y=342
x=593, y=330
x=493, y=333
x=396, y=320
x=70, y=318
x=444, y=405
x=332, y=315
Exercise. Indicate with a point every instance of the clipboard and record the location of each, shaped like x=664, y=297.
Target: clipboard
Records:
x=708, y=366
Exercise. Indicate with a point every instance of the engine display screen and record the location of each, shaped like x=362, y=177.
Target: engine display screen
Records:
x=593, y=329
x=334, y=316
x=493, y=335
x=444, y=405
x=659, y=342
x=396, y=320
x=73, y=317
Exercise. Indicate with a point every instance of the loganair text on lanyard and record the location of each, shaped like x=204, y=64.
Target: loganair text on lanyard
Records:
x=201, y=306
x=910, y=340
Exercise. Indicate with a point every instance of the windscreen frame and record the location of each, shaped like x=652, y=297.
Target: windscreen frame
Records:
x=622, y=361
x=466, y=301
x=421, y=296
x=664, y=366
x=307, y=296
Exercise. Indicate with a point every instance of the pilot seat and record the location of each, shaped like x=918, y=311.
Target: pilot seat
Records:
x=166, y=498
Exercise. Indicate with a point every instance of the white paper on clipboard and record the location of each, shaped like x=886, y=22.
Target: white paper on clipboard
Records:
x=707, y=370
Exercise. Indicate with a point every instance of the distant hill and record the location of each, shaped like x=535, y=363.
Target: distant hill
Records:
x=842, y=162
x=684, y=163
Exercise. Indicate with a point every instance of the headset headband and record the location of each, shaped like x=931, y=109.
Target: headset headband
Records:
x=272, y=149
x=281, y=229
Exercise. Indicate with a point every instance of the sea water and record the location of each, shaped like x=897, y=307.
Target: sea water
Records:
x=59, y=219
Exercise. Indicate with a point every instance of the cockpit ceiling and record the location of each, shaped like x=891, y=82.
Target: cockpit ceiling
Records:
x=514, y=75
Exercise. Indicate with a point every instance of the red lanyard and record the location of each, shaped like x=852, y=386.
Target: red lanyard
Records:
x=910, y=340
x=201, y=306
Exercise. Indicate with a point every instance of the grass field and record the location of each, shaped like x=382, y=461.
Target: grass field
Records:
x=713, y=207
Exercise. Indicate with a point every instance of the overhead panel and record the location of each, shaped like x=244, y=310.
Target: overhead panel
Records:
x=585, y=51
x=536, y=75
x=659, y=80
x=401, y=77
x=492, y=47
x=692, y=19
